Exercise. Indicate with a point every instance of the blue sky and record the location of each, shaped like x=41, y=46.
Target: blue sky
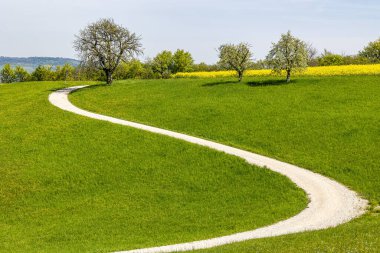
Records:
x=47, y=27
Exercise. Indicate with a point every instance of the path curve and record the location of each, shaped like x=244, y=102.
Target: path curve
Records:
x=330, y=204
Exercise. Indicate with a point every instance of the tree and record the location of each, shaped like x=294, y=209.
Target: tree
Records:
x=121, y=72
x=7, y=74
x=135, y=69
x=21, y=75
x=311, y=55
x=43, y=73
x=330, y=59
x=104, y=45
x=355, y=59
x=372, y=51
x=163, y=64
x=205, y=67
x=235, y=57
x=260, y=64
x=288, y=54
x=182, y=61
x=129, y=70
x=65, y=73
x=148, y=72
x=86, y=72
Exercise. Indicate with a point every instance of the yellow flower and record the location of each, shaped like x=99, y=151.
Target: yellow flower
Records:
x=373, y=69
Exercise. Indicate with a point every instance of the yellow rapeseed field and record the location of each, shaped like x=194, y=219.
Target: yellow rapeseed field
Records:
x=311, y=71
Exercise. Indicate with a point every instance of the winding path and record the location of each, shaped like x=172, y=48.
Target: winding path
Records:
x=331, y=203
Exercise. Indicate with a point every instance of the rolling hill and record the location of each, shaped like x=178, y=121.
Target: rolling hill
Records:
x=30, y=63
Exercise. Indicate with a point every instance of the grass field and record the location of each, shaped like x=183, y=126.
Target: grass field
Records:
x=329, y=125
x=72, y=184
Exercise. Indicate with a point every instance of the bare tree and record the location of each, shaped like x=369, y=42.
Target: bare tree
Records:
x=312, y=53
x=288, y=54
x=236, y=57
x=104, y=45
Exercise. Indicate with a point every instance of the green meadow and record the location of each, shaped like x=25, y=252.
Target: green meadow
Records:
x=73, y=184
x=329, y=125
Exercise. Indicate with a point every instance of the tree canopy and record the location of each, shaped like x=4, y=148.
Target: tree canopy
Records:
x=182, y=61
x=162, y=64
x=330, y=59
x=372, y=51
x=7, y=74
x=21, y=75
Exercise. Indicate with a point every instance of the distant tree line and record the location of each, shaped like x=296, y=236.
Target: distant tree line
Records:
x=66, y=72
x=166, y=63
x=162, y=66
x=108, y=51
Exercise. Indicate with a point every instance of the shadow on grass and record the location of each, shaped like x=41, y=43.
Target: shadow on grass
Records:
x=269, y=83
x=90, y=86
x=218, y=83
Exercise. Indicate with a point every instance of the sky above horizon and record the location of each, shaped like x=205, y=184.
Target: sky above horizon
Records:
x=47, y=27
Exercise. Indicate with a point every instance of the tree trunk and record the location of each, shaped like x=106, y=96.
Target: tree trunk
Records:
x=109, y=77
x=288, y=76
x=240, y=76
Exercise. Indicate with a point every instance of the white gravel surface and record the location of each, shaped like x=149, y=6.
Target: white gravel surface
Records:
x=331, y=203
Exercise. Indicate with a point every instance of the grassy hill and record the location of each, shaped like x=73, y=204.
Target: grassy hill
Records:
x=31, y=63
x=329, y=125
x=73, y=184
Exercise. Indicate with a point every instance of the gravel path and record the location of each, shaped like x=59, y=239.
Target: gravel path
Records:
x=331, y=203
